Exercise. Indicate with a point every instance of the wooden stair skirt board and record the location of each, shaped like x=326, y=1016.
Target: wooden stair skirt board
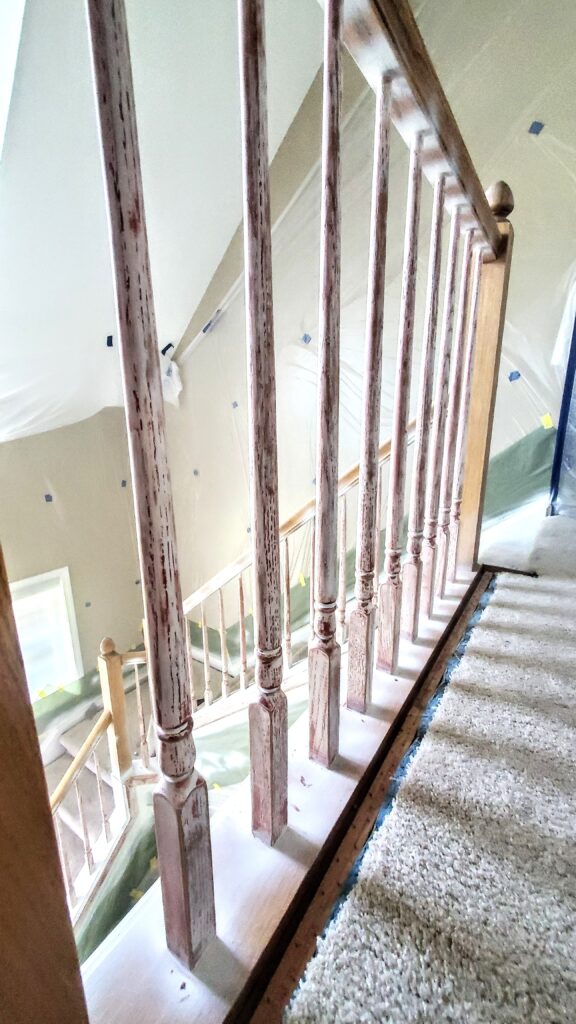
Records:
x=261, y=890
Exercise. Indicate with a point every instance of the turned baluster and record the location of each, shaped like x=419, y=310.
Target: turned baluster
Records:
x=100, y=788
x=181, y=800
x=341, y=608
x=223, y=646
x=324, y=652
x=377, y=535
x=268, y=716
x=64, y=860
x=391, y=589
x=454, y=392
x=88, y=855
x=458, y=478
x=242, y=629
x=412, y=568
x=190, y=660
x=494, y=278
x=208, y=694
x=363, y=616
x=429, y=543
x=144, y=754
x=312, y=572
x=287, y=608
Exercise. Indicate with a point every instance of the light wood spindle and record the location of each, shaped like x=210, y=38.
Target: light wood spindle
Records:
x=461, y=436
x=64, y=860
x=190, y=660
x=88, y=855
x=181, y=800
x=324, y=652
x=100, y=788
x=454, y=392
x=287, y=608
x=363, y=616
x=495, y=275
x=391, y=589
x=144, y=753
x=242, y=629
x=341, y=609
x=268, y=716
x=208, y=694
x=429, y=544
x=412, y=568
x=223, y=646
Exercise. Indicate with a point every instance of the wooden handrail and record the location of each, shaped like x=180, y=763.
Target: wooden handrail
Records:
x=348, y=480
x=383, y=37
x=72, y=772
x=135, y=658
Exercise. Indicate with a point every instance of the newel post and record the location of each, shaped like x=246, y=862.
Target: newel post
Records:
x=324, y=652
x=268, y=715
x=181, y=800
x=493, y=294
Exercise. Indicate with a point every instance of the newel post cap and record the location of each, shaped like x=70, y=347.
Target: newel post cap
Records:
x=107, y=646
x=500, y=199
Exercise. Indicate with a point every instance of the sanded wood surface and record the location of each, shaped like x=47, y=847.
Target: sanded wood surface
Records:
x=382, y=36
x=182, y=823
x=391, y=589
x=39, y=972
x=324, y=653
x=412, y=568
x=363, y=617
x=429, y=547
x=268, y=718
x=490, y=328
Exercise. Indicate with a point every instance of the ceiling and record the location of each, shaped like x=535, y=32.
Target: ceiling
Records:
x=56, y=299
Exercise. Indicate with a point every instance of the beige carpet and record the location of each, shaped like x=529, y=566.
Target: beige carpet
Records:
x=465, y=908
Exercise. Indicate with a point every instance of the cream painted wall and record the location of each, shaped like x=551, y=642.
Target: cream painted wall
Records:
x=88, y=526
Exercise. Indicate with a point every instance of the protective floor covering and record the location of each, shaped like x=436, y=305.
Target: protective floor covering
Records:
x=465, y=907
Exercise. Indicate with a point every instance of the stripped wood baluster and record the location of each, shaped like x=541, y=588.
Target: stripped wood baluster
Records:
x=363, y=616
x=208, y=694
x=324, y=651
x=144, y=753
x=495, y=276
x=377, y=534
x=312, y=572
x=65, y=861
x=342, y=570
x=88, y=855
x=103, y=813
x=391, y=589
x=454, y=392
x=268, y=716
x=461, y=438
x=429, y=544
x=412, y=568
x=223, y=646
x=242, y=628
x=190, y=660
x=287, y=609
x=181, y=799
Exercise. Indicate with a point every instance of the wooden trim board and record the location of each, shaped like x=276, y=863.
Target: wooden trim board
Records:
x=133, y=976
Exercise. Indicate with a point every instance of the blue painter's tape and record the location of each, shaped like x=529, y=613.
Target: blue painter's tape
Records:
x=137, y=582
x=306, y=339
x=536, y=127
x=109, y=341
x=48, y=497
x=248, y=529
x=234, y=405
x=166, y=348
x=212, y=322
x=196, y=472
x=514, y=375
x=88, y=604
x=124, y=482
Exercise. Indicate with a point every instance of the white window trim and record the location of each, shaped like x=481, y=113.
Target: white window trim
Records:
x=20, y=587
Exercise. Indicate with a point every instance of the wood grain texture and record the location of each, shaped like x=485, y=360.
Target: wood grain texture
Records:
x=452, y=414
x=39, y=972
x=114, y=700
x=429, y=546
x=382, y=36
x=391, y=589
x=324, y=652
x=463, y=417
x=287, y=607
x=170, y=683
x=362, y=617
x=412, y=568
x=342, y=552
x=268, y=722
x=491, y=313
